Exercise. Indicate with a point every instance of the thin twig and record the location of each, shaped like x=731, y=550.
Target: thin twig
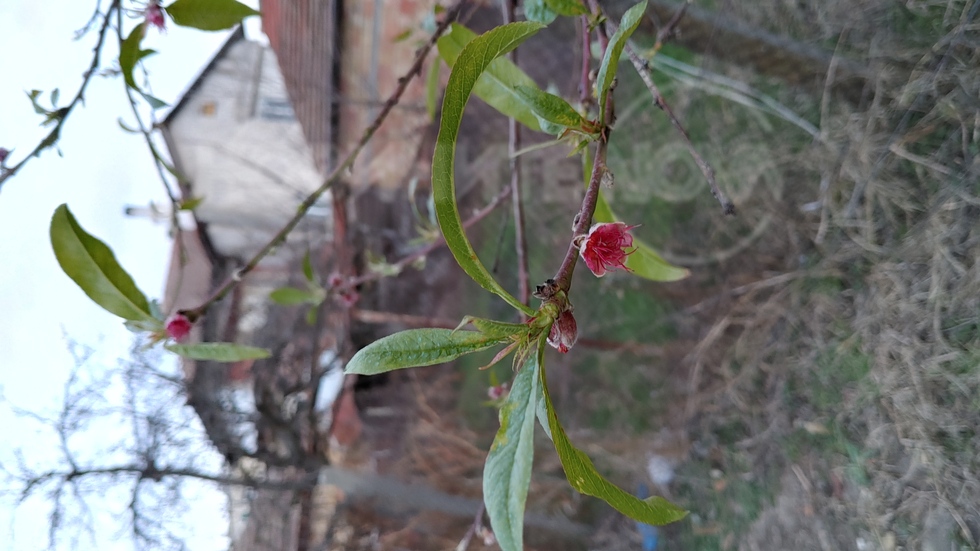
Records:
x=643, y=69
x=438, y=242
x=475, y=527
x=62, y=114
x=335, y=175
x=516, y=199
x=584, y=88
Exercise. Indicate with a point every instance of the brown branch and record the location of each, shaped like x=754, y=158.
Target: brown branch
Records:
x=643, y=69
x=439, y=241
x=334, y=176
x=516, y=199
x=62, y=114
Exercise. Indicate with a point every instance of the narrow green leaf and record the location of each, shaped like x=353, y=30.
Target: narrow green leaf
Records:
x=191, y=203
x=610, y=61
x=583, y=476
x=566, y=7
x=55, y=94
x=499, y=76
x=93, y=267
x=311, y=315
x=497, y=329
x=507, y=474
x=402, y=36
x=155, y=102
x=126, y=128
x=209, y=15
x=218, y=351
x=471, y=63
x=538, y=11
x=417, y=347
x=129, y=55
x=550, y=107
x=644, y=261
x=432, y=89
x=33, y=95
x=288, y=296
x=308, y=268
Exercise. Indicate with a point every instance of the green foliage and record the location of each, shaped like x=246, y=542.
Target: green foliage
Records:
x=567, y=7
x=289, y=296
x=553, y=110
x=507, y=475
x=475, y=58
x=209, y=15
x=496, y=79
x=539, y=12
x=415, y=348
x=584, y=477
x=129, y=55
x=610, y=60
x=218, y=351
x=93, y=267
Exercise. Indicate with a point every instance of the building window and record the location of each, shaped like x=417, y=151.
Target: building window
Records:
x=276, y=109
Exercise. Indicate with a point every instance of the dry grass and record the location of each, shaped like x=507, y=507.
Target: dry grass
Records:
x=860, y=317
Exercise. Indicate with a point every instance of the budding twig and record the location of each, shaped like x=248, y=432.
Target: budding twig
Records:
x=337, y=172
x=62, y=115
x=514, y=145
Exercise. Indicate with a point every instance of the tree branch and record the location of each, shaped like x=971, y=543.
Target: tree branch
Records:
x=62, y=114
x=229, y=284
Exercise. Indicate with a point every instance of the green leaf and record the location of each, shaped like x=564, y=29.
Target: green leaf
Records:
x=130, y=54
x=288, y=296
x=155, y=102
x=499, y=76
x=583, y=476
x=93, y=267
x=126, y=128
x=218, y=351
x=473, y=60
x=644, y=261
x=209, y=15
x=610, y=61
x=33, y=95
x=432, y=89
x=550, y=107
x=191, y=203
x=308, y=268
x=496, y=329
x=416, y=347
x=402, y=36
x=507, y=474
x=566, y=7
x=538, y=10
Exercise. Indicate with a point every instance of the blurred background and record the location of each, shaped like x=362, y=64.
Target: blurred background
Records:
x=813, y=384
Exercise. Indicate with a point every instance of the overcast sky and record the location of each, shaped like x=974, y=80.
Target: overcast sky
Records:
x=103, y=170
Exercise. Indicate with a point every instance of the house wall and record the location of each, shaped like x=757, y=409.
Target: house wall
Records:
x=240, y=147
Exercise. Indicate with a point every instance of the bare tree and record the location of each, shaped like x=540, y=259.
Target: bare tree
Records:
x=130, y=452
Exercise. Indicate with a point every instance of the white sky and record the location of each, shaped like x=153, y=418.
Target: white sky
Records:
x=103, y=170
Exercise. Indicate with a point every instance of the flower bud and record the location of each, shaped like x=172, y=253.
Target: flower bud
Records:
x=564, y=332
x=179, y=327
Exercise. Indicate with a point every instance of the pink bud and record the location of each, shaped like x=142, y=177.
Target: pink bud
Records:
x=3, y=154
x=497, y=392
x=154, y=15
x=605, y=247
x=564, y=332
x=348, y=297
x=179, y=327
x=335, y=280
